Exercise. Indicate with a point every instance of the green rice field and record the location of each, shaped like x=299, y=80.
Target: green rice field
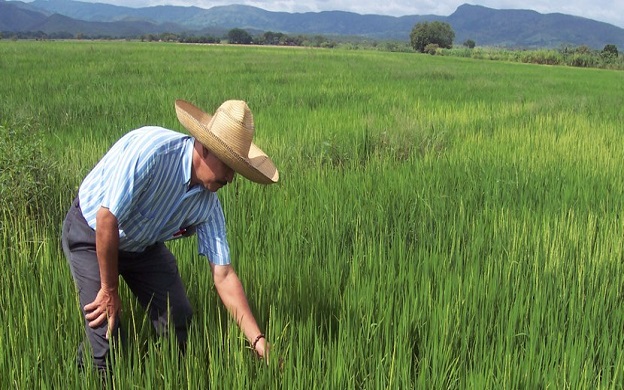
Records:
x=440, y=223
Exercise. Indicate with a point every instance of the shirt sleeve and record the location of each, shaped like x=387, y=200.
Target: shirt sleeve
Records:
x=212, y=239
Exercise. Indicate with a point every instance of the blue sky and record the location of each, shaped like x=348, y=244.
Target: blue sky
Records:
x=610, y=11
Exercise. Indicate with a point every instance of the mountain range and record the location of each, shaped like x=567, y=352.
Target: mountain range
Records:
x=485, y=26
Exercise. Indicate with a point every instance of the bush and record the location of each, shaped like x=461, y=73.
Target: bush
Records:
x=27, y=171
x=583, y=60
x=542, y=57
x=431, y=48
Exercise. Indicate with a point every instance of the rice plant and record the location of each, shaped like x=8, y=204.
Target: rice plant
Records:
x=439, y=222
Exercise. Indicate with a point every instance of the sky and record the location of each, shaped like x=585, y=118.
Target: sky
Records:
x=609, y=11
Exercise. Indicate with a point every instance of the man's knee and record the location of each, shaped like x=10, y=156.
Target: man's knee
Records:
x=178, y=316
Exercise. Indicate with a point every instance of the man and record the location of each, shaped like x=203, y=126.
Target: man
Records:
x=152, y=186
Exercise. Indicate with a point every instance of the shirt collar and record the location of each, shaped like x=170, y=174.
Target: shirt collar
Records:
x=187, y=163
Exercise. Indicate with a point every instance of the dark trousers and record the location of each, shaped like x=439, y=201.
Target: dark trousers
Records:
x=151, y=275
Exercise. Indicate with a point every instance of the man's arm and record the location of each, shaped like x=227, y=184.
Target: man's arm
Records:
x=107, y=303
x=233, y=297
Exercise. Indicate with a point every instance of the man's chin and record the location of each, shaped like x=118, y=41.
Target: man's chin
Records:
x=214, y=187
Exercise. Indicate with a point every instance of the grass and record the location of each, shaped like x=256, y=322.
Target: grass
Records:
x=439, y=222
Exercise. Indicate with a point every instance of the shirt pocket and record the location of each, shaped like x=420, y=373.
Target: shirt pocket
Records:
x=142, y=228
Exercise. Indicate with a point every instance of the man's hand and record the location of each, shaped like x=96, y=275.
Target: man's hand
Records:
x=105, y=306
x=262, y=349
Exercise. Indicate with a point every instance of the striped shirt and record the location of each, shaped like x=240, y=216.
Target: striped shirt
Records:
x=144, y=180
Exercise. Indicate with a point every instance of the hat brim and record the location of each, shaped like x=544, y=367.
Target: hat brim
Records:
x=256, y=166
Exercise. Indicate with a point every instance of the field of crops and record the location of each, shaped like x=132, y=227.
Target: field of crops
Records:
x=439, y=222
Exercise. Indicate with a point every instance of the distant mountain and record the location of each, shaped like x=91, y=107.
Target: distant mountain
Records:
x=24, y=17
x=57, y=23
x=523, y=28
x=486, y=26
x=246, y=17
x=13, y=17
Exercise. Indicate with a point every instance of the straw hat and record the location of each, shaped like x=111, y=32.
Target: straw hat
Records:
x=228, y=134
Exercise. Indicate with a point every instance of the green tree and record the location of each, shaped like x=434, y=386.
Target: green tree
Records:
x=469, y=43
x=272, y=38
x=610, y=51
x=425, y=33
x=239, y=36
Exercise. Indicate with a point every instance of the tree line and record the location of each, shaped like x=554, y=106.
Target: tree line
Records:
x=234, y=36
x=436, y=38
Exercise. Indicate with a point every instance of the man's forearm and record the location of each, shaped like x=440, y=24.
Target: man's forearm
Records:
x=107, y=246
x=233, y=296
x=235, y=300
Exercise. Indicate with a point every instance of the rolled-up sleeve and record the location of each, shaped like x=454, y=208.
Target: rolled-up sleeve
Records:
x=212, y=238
